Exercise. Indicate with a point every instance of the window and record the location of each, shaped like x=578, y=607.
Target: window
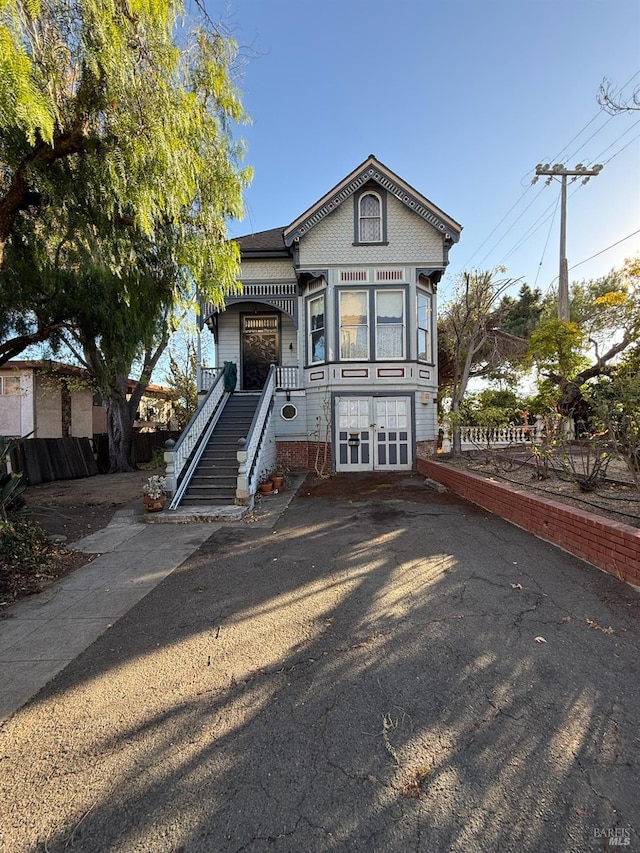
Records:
x=10, y=386
x=354, y=324
x=317, y=332
x=288, y=412
x=390, y=324
x=369, y=219
x=424, y=327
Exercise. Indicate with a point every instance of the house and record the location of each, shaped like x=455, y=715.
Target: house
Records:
x=336, y=329
x=45, y=399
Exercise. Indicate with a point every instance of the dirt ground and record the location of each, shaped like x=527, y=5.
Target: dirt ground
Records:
x=616, y=496
x=76, y=508
x=68, y=510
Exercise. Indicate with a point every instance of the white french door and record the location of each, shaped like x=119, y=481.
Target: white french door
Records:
x=373, y=434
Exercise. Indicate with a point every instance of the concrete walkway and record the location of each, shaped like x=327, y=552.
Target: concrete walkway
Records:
x=42, y=634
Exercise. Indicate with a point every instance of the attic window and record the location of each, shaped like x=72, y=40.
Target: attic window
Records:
x=369, y=218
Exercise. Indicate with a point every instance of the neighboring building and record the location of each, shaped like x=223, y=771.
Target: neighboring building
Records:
x=44, y=399
x=343, y=300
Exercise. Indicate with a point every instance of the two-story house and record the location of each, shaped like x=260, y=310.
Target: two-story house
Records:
x=343, y=302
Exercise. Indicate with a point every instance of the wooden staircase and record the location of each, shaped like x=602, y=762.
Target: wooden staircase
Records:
x=214, y=480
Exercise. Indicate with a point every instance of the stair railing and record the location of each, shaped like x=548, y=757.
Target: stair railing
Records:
x=193, y=440
x=258, y=453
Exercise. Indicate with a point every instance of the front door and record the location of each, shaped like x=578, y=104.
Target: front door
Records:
x=260, y=348
x=373, y=434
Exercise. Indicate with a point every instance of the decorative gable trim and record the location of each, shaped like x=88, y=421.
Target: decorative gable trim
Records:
x=373, y=170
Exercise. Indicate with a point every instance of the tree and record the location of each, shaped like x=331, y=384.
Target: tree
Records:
x=181, y=376
x=119, y=176
x=471, y=342
x=611, y=101
x=605, y=322
x=114, y=117
x=615, y=403
x=522, y=314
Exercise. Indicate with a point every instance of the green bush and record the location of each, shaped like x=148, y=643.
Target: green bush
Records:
x=23, y=548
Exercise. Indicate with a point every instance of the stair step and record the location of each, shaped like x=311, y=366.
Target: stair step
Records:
x=214, y=481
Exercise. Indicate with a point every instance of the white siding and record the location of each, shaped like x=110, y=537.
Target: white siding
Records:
x=229, y=334
x=426, y=428
x=48, y=409
x=411, y=240
x=288, y=336
x=17, y=411
x=228, y=348
x=82, y=413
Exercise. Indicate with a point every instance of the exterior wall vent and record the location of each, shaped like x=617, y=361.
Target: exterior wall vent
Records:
x=390, y=275
x=354, y=275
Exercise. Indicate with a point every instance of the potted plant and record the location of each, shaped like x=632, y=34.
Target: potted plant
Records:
x=278, y=481
x=154, y=495
x=266, y=485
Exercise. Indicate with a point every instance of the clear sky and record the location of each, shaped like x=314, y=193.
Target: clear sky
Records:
x=460, y=98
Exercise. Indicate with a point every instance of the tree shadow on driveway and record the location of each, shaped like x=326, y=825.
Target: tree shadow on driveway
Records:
x=370, y=675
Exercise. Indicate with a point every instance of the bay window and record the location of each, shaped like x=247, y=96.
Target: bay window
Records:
x=424, y=327
x=390, y=325
x=317, y=331
x=354, y=324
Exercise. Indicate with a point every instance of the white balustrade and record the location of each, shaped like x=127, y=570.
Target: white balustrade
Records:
x=208, y=377
x=492, y=436
x=253, y=459
x=287, y=378
x=177, y=458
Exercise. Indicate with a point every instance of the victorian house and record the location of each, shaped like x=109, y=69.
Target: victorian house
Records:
x=332, y=342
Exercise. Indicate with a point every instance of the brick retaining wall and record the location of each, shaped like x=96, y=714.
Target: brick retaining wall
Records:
x=301, y=455
x=609, y=545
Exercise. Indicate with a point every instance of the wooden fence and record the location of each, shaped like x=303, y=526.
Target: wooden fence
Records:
x=42, y=460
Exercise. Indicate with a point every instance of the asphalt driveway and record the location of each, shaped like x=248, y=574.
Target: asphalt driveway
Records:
x=386, y=669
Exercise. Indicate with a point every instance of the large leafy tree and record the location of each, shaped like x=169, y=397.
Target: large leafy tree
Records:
x=604, y=325
x=119, y=173
x=115, y=116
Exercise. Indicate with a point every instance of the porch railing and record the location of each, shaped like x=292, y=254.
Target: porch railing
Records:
x=258, y=456
x=287, y=378
x=194, y=436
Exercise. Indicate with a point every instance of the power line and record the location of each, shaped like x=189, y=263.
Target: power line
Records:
x=544, y=251
x=599, y=157
x=530, y=232
x=602, y=251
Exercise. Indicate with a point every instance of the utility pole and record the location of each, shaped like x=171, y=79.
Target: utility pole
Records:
x=558, y=170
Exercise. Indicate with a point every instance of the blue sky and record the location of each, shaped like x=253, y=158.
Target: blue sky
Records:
x=461, y=99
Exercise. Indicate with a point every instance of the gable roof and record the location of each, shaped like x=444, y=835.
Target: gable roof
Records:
x=373, y=170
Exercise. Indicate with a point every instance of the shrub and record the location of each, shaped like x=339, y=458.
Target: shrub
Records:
x=23, y=548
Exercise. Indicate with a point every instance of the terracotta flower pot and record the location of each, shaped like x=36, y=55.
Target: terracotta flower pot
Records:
x=266, y=488
x=278, y=483
x=154, y=504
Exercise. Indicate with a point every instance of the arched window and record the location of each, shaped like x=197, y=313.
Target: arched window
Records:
x=370, y=218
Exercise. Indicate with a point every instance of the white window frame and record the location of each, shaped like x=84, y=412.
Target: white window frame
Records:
x=12, y=382
x=311, y=331
x=403, y=324
x=362, y=218
x=428, y=330
x=341, y=325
